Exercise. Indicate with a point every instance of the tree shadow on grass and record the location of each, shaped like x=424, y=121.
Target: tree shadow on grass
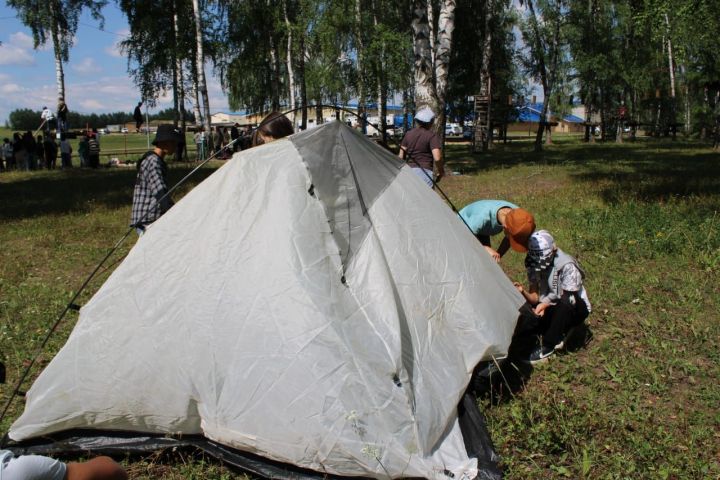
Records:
x=653, y=179
x=78, y=191
x=459, y=158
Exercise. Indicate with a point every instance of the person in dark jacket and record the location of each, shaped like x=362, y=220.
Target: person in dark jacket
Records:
x=50, y=148
x=93, y=151
x=150, y=199
x=30, y=148
x=138, y=117
x=40, y=151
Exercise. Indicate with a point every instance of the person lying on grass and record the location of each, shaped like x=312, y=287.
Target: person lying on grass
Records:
x=36, y=467
x=555, y=290
x=490, y=217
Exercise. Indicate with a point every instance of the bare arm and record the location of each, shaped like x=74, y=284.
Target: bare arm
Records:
x=401, y=153
x=531, y=296
x=99, y=468
x=437, y=156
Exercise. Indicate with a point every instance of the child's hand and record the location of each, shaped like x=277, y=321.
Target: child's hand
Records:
x=540, y=309
x=494, y=254
x=519, y=287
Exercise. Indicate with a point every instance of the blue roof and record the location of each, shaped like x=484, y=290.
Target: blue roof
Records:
x=573, y=119
x=531, y=113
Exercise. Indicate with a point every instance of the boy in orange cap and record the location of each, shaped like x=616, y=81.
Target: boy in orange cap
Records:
x=490, y=217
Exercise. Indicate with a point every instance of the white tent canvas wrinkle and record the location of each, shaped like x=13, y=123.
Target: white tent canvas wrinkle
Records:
x=312, y=302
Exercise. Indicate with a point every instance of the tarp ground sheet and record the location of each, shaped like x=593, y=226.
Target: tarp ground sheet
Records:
x=312, y=303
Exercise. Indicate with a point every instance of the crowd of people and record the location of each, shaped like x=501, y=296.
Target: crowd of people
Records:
x=24, y=152
x=216, y=141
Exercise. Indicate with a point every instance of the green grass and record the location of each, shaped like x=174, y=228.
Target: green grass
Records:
x=641, y=401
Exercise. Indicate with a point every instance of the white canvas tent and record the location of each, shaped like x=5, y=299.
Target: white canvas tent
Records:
x=312, y=302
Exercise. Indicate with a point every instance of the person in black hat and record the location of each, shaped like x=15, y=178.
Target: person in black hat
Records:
x=150, y=199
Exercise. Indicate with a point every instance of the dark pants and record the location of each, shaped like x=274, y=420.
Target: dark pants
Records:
x=66, y=161
x=94, y=160
x=560, y=318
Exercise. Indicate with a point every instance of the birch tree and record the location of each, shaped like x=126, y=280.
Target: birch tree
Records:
x=431, y=77
x=200, y=64
x=56, y=20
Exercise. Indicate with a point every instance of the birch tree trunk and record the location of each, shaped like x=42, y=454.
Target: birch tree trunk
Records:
x=178, y=78
x=289, y=62
x=200, y=61
x=380, y=78
x=303, y=83
x=485, y=71
x=443, y=47
x=425, y=95
x=57, y=50
x=196, y=98
x=431, y=26
x=274, y=75
x=362, y=94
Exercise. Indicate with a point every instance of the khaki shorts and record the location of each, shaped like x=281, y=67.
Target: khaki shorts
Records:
x=30, y=467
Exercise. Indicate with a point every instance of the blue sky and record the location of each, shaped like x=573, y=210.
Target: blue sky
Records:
x=96, y=78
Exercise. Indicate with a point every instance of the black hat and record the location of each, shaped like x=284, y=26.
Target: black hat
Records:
x=168, y=133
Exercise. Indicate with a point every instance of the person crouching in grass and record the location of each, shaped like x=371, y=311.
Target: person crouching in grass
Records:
x=556, y=292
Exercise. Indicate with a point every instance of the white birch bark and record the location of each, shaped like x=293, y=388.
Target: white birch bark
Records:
x=289, y=62
x=196, y=102
x=425, y=95
x=431, y=26
x=200, y=61
x=671, y=61
x=57, y=50
x=362, y=94
x=179, y=78
x=443, y=47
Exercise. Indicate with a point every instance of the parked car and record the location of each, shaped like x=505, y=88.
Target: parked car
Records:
x=124, y=130
x=468, y=133
x=453, y=129
x=102, y=131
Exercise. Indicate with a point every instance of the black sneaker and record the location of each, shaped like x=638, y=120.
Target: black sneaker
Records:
x=541, y=354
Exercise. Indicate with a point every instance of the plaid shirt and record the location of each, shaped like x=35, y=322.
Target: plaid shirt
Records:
x=150, y=186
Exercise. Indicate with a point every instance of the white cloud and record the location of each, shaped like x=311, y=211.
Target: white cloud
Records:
x=114, y=51
x=13, y=55
x=97, y=95
x=86, y=66
x=8, y=88
x=92, y=105
x=22, y=40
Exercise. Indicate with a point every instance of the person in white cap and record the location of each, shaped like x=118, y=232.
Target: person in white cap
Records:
x=556, y=291
x=421, y=148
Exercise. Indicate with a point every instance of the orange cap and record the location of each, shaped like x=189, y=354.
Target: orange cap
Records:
x=519, y=225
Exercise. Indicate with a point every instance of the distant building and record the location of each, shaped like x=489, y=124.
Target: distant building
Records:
x=528, y=118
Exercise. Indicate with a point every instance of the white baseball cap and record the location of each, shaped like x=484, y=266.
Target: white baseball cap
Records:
x=425, y=115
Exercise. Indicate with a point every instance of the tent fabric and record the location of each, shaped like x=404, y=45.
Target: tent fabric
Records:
x=311, y=302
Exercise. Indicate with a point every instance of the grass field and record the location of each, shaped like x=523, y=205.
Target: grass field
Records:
x=640, y=401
